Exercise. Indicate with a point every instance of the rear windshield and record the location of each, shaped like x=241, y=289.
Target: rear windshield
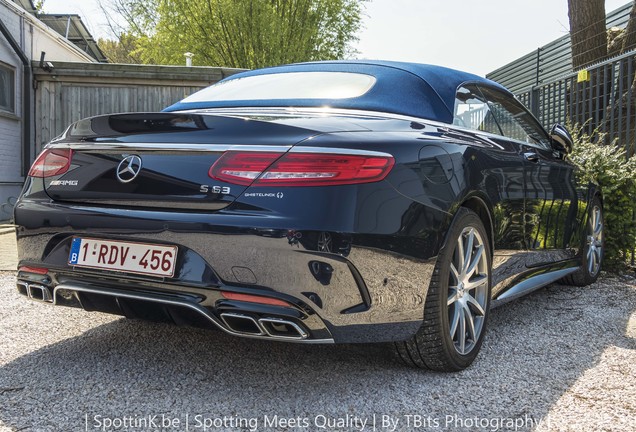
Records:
x=291, y=85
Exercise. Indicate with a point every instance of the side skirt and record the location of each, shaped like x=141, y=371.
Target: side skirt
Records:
x=531, y=284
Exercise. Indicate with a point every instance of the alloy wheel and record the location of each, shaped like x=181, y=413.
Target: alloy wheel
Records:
x=324, y=242
x=594, y=241
x=467, y=290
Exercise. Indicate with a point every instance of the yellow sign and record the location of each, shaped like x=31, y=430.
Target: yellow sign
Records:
x=583, y=75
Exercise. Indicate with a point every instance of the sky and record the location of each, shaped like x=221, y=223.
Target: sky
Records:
x=476, y=36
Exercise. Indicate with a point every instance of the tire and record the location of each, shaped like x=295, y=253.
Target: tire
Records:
x=448, y=301
x=592, y=248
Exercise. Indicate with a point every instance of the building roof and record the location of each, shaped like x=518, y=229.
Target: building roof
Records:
x=44, y=38
x=27, y=5
x=413, y=89
x=70, y=26
x=73, y=29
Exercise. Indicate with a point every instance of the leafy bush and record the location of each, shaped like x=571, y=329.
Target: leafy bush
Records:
x=608, y=166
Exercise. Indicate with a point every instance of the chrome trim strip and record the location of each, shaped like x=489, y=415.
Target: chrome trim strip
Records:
x=296, y=111
x=344, y=151
x=531, y=284
x=238, y=111
x=301, y=333
x=245, y=317
x=192, y=147
x=195, y=307
x=212, y=148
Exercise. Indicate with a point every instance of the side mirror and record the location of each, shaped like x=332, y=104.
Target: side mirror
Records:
x=561, y=139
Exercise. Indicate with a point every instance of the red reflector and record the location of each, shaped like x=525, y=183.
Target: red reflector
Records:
x=300, y=169
x=51, y=162
x=36, y=270
x=254, y=299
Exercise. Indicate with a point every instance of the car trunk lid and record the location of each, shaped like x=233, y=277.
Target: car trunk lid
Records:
x=160, y=160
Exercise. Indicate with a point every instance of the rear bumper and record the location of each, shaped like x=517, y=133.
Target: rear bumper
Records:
x=278, y=323
x=359, y=292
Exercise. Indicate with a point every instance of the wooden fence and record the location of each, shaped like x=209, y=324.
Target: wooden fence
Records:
x=71, y=91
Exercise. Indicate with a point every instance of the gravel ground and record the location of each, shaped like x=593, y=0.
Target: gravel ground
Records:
x=565, y=357
x=8, y=256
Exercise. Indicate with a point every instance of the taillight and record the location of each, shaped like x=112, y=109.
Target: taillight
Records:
x=51, y=162
x=299, y=169
x=241, y=167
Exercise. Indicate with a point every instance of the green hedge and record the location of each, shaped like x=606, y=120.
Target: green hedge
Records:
x=608, y=166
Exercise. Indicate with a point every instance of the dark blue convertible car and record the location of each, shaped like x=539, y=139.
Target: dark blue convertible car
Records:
x=354, y=201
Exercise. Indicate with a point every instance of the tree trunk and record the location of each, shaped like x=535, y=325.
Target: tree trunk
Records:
x=587, y=32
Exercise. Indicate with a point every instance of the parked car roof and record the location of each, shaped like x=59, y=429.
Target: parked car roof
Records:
x=413, y=89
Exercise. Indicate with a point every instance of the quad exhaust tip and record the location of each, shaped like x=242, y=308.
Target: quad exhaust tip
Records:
x=280, y=328
x=276, y=328
x=35, y=292
x=242, y=324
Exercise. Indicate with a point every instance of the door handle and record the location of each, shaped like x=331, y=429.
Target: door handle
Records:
x=531, y=157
